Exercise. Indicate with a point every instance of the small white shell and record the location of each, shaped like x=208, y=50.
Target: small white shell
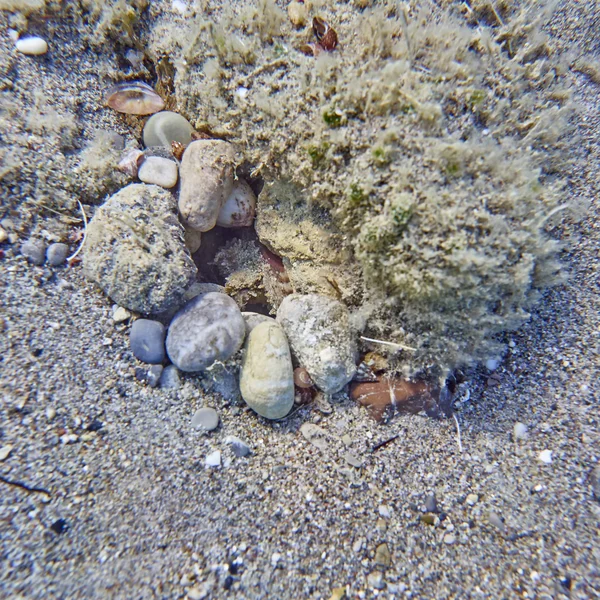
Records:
x=33, y=46
x=238, y=210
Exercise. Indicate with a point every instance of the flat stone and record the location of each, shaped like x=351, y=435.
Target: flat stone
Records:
x=375, y=580
x=34, y=251
x=208, y=328
x=520, y=431
x=431, y=503
x=165, y=127
x=449, y=539
x=595, y=481
x=545, y=456
x=267, y=375
x=135, y=251
x=5, y=452
x=57, y=253
x=383, y=556
x=205, y=419
x=213, y=459
x=147, y=340
x=159, y=171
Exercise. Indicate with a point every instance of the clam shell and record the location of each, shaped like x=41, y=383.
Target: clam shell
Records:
x=134, y=98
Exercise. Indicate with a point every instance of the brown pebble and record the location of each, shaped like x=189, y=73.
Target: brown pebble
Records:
x=383, y=557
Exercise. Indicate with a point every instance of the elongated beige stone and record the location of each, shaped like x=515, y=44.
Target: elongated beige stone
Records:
x=206, y=175
x=266, y=379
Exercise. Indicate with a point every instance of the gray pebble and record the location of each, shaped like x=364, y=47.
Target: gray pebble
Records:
x=57, y=254
x=238, y=446
x=222, y=380
x=135, y=250
x=595, y=481
x=34, y=251
x=147, y=339
x=170, y=378
x=149, y=375
x=208, y=328
x=318, y=329
x=205, y=419
x=431, y=504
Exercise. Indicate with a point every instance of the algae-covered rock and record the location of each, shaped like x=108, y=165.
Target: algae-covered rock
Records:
x=266, y=379
x=206, y=175
x=135, y=251
x=208, y=328
x=321, y=338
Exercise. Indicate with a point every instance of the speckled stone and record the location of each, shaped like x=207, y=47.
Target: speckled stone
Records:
x=209, y=327
x=57, y=253
x=34, y=251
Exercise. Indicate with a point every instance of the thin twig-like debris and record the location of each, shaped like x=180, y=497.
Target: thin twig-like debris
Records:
x=393, y=344
x=84, y=233
x=458, y=438
x=384, y=443
x=24, y=486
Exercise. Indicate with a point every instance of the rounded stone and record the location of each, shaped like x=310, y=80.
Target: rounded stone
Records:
x=135, y=251
x=206, y=175
x=238, y=209
x=57, y=254
x=205, y=419
x=159, y=171
x=253, y=319
x=32, y=45
x=34, y=251
x=165, y=127
x=170, y=379
x=208, y=328
x=147, y=340
x=321, y=338
x=266, y=378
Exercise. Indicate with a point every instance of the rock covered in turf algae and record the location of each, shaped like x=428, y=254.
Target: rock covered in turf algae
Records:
x=266, y=379
x=321, y=338
x=206, y=175
x=135, y=250
x=208, y=328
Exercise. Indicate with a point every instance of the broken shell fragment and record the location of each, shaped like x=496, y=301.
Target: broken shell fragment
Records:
x=130, y=162
x=134, y=98
x=325, y=34
x=166, y=127
x=238, y=210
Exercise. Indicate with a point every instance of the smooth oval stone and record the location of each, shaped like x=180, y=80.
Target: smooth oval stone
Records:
x=33, y=46
x=170, y=379
x=208, y=328
x=253, y=319
x=266, y=378
x=206, y=419
x=206, y=175
x=57, y=253
x=147, y=340
x=166, y=127
x=159, y=171
x=239, y=206
x=34, y=251
x=319, y=332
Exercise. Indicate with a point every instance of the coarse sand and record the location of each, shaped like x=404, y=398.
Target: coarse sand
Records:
x=104, y=492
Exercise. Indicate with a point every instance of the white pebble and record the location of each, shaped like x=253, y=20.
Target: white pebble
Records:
x=472, y=499
x=492, y=364
x=33, y=46
x=385, y=511
x=50, y=413
x=213, y=459
x=545, y=456
x=520, y=431
x=159, y=171
x=121, y=314
x=5, y=451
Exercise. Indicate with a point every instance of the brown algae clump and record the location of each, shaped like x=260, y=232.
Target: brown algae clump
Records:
x=410, y=173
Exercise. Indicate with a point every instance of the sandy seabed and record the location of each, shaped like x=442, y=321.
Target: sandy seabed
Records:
x=129, y=510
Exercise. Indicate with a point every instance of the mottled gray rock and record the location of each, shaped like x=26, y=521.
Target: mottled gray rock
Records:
x=150, y=375
x=34, y=251
x=57, y=254
x=170, y=378
x=206, y=176
x=222, y=380
x=321, y=338
x=206, y=419
x=147, y=340
x=208, y=328
x=135, y=250
x=238, y=446
x=267, y=378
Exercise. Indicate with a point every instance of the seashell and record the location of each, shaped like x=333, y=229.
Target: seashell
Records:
x=134, y=98
x=238, y=209
x=302, y=378
x=325, y=34
x=364, y=373
x=311, y=49
x=177, y=148
x=166, y=127
x=130, y=162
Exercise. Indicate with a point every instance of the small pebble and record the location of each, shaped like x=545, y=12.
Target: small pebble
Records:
x=121, y=314
x=385, y=511
x=3, y=235
x=5, y=451
x=449, y=539
x=57, y=254
x=595, y=481
x=32, y=46
x=34, y=251
x=375, y=580
x=213, y=459
x=170, y=378
x=492, y=364
x=545, y=456
x=495, y=520
x=431, y=504
x=353, y=460
x=381, y=526
x=149, y=375
x=159, y=171
x=383, y=556
x=472, y=499
x=69, y=438
x=205, y=419
x=520, y=431
x=165, y=127
x=147, y=340
x=238, y=446
x=50, y=413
